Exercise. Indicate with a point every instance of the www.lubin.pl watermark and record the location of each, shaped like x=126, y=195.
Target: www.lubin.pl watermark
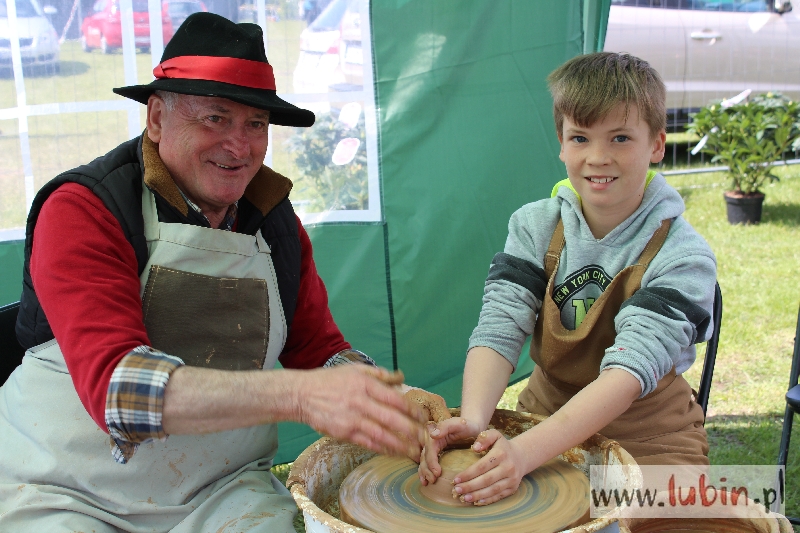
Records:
x=731, y=491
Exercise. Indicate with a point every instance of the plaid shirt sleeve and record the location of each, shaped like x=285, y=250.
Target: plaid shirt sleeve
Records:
x=347, y=357
x=135, y=400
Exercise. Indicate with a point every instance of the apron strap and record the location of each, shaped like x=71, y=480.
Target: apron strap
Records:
x=553, y=255
x=557, y=243
x=655, y=243
x=150, y=215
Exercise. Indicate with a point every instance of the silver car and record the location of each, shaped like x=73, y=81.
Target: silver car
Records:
x=713, y=49
x=330, y=51
x=38, y=41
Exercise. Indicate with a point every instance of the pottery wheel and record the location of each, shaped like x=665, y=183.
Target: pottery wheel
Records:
x=384, y=495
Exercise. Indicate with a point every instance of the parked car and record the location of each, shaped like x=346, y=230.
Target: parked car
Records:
x=330, y=50
x=180, y=9
x=711, y=50
x=38, y=40
x=103, y=28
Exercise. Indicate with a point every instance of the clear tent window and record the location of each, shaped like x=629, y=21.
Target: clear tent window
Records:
x=59, y=60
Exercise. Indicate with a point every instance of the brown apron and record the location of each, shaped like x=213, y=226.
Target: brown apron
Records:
x=664, y=427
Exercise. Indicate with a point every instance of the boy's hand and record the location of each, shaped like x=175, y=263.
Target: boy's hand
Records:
x=497, y=475
x=439, y=436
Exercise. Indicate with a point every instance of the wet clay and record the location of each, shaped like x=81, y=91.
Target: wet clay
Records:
x=383, y=495
x=395, y=378
x=436, y=411
x=453, y=462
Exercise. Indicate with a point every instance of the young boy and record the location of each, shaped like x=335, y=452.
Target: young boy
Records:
x=613, y=284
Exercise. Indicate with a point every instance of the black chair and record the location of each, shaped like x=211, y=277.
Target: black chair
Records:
x=792, y=407
x=10, y=351
x=711, y=352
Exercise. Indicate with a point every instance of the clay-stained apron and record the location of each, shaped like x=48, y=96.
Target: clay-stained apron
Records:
x=666, y=426
x=210, y=297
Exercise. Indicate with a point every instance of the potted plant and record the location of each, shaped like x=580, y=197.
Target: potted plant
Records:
x=748, y=137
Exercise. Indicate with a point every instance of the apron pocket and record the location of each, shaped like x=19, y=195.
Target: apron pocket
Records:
x=210, y=322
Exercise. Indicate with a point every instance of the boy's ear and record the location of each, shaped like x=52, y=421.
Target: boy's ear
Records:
x=561, y=143
x=659, y=147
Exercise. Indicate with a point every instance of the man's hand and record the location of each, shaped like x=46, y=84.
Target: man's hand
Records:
x=497, y=475
x=452, y=431
x=358, y=403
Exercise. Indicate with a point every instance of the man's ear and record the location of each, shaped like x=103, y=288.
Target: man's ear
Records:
x=155, y=116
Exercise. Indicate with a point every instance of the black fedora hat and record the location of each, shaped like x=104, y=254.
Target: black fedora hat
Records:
x=211, y=56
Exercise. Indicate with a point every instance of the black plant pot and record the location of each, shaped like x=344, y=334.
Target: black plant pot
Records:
x=744, y=209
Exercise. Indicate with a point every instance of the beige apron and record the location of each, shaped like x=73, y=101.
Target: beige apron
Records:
x=664, y=427
x=56, y=469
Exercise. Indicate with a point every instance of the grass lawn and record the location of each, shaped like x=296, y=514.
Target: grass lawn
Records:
x=757, y=266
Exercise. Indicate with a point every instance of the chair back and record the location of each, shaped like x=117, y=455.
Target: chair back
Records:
x=10, y=351
x=711, y=352
x=793, y=396
x=792, y=407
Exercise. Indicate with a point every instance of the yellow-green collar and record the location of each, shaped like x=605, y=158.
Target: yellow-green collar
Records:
x=565, y=183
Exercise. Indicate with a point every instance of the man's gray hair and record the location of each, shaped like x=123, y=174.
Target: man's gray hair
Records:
x=170, y=99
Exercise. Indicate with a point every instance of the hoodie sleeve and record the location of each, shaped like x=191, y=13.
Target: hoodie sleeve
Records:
x=657, y=328
x=514, y=288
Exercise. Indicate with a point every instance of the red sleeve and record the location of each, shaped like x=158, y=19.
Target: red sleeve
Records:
x=314, y=336
x=85, y=275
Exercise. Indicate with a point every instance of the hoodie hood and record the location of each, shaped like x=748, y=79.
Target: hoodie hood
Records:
x=660, y=202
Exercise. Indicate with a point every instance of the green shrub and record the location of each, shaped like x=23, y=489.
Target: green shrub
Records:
x=749, y=137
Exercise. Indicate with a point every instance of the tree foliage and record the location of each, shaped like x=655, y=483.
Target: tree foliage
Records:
x=334, y=186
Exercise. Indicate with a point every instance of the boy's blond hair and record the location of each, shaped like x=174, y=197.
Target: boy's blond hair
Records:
x=587, y=87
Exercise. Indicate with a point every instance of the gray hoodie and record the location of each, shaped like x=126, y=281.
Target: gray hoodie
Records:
x=656, y=328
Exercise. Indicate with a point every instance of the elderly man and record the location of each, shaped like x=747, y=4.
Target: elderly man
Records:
x=162, y=283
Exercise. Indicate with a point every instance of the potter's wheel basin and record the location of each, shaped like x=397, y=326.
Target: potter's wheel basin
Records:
x=319, y=471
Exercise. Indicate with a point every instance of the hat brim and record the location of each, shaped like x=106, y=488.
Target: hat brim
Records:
x=281, y=112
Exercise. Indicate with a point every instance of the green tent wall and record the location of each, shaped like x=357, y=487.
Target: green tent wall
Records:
x=11, y=259
x=466, y=138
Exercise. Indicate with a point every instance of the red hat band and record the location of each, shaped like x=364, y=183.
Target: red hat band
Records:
x=243, y=72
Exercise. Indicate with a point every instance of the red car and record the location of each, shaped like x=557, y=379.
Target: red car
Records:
x=103, y=28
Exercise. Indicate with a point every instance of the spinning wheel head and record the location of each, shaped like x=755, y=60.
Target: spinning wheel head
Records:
x=384, y=494
x=319, y=473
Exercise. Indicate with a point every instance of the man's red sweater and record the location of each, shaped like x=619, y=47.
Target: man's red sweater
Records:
x=85, y=275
